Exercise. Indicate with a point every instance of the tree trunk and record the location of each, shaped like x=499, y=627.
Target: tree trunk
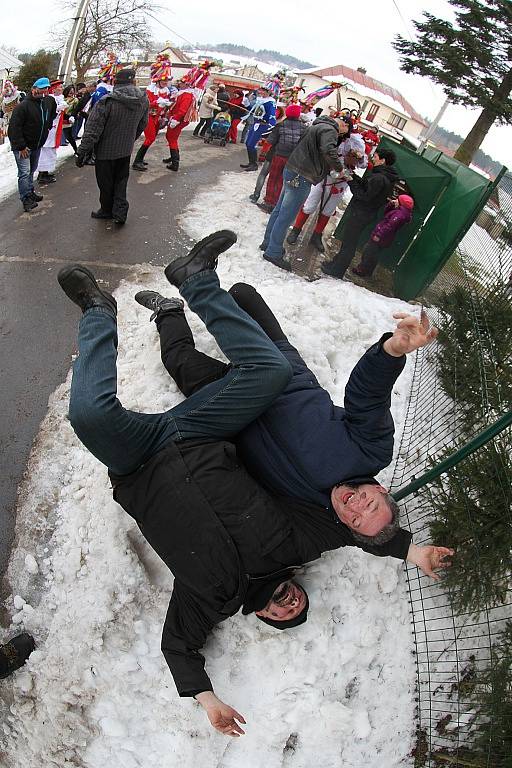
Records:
x=486, y=118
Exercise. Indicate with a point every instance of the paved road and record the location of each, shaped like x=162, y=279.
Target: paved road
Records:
x=38, y=328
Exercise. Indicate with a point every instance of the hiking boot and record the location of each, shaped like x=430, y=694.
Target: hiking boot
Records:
x=99, y=214
x=79, y=285
x=203, y=256
x=293, y=235
x=14, y=654
x=316, y=241
x=157, y=303
x=29, y=204
x=281, y=263
x=35, y=197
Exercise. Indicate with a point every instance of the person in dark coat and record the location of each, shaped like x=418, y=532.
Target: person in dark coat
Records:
x=397, y=213
x=223, y=98
x=28, y=130
x=113, y=125
x=368, y=195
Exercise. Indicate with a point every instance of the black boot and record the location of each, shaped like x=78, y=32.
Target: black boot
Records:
x=333, y=269
x=14, y=654
x=203, y=256
x=137, y=164
x=175, y=160
x=100, y=214
x=252, y=165
x=167, y=159
x=35, y=197
x=79, y=285
x=157, y=303
x=316, y=241
x=29, y=204
x=293, y=235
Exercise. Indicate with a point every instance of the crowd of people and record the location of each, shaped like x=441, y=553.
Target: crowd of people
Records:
x=312, y=490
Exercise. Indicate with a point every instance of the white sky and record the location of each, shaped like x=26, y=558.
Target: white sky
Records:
x=325, y=34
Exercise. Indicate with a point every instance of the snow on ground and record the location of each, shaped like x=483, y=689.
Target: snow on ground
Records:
x=9, y=169
x=338, y=691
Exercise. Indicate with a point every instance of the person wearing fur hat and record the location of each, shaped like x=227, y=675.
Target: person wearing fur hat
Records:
x=30, y=123
x=264, y=114
x=182, y=112
x=112, y=127
x=159, y=98
x=397, y=213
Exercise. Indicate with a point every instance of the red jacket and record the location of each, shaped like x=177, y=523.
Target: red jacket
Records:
x=181, y=106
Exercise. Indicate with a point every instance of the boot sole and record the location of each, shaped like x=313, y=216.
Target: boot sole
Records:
x=65, y=272
x=184, y=261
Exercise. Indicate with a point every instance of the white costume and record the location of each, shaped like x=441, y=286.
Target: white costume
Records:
x=331, y=190
x=48, y=156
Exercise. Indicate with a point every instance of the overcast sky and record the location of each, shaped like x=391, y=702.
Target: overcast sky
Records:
x=325, y=33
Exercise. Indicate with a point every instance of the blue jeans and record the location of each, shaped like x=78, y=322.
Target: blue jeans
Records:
x=287, y=207
x=76, y=126
x=26, y=169
x=123, y=439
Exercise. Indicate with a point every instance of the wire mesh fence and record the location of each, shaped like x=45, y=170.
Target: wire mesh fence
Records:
x=463, y=625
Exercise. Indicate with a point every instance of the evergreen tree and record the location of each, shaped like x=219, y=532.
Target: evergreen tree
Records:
x=40, y=64
x=471, y=61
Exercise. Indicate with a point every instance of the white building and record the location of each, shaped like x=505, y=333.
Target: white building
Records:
x=9, y=66
x=380, y=104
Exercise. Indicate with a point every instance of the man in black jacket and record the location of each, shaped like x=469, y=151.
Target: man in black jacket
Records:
x=28, y=130
x=114, y=123
x=368, y=195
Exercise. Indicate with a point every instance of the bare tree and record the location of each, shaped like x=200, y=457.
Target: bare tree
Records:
x=110, y=25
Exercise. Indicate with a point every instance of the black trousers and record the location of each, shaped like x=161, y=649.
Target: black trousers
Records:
x=370, y=257
x=203, y=126
x=112, y=178
x=356, y=222
x=191, y=369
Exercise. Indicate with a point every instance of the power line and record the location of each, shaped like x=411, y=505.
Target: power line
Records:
x=171, y=30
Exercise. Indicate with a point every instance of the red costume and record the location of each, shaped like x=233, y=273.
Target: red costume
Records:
x=180, y=115
x=159, y=101
x=371, y=140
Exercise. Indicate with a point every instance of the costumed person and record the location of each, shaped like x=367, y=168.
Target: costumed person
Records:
x=328, y=193
x=371, y=138
x=274, y=86
x=181, y=113
x=10, y=98
x=248, y=102
x=159, y=102
x=71, y=100
x=264, y=114
x=207, y=108
x=397, y=213
x=282, y=139
x=237, y=111
x=48, y=156
x=106, y=77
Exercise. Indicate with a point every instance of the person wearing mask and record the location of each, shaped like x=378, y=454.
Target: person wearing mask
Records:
x=28, y=130
x=114, y=124
x=397, y=213
x=207, y=108
x=182, y=112
x=159, y=102
x=264, y=115
x=368, y=195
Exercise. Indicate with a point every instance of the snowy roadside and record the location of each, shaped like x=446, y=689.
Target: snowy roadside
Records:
x=9, y=169
x=337, y=692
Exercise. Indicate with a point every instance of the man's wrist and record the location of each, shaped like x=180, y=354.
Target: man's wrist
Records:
x=388, y=347
x=206, y=698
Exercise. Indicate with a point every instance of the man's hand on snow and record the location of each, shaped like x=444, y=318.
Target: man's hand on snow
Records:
x=221, y=716
x=430, y=558
x=410, y=334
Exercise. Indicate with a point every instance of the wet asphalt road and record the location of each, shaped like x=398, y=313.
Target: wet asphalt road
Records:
x=38, y=327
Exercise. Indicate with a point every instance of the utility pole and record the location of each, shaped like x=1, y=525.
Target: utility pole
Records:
x=68, y=55
x=433, y=125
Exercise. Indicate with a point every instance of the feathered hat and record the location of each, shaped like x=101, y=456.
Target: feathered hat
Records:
x=161, y=69
x=111, y=67
x=198, y=76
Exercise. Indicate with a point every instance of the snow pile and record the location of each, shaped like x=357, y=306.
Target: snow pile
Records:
x=336, y=692
x=9, y=169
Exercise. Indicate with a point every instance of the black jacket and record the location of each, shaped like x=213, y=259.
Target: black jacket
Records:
x=285, y=136
x=222, y=100
x=114, y=123
x=31, y=121
x=215, y=527
x=317, y=152
x=372, y=191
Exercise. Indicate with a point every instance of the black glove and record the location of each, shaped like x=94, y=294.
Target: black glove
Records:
x=80, y=160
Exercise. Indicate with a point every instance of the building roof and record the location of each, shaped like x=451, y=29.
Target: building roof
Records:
x=367, y=82
x=8, y=61
x=178, y=54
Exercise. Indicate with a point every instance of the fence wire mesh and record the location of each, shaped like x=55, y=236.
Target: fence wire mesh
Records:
x=463, y=625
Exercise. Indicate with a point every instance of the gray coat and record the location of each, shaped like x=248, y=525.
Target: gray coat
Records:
x=317, y=152
x=114, y=123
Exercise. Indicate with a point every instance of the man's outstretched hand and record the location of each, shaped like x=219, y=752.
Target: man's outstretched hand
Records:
x=410, y=334
x=430, y=558
x=221, y=716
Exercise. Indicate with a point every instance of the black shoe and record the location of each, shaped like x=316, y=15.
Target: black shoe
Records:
x=35, y=197
x=119, y=221
x=100, y=214
x=29, y=204
x=330, y=268
x=253, y=198
x=157, y=303
x=48, y=178
x=79, y=285
x=265, y=207
x=263, y=247
x=16, y=652
x=139, y=166
x=293, y=235
x=245, y=165
x=173, y=167
x=203, y=256
x=281, y=263
x=91, y=161
x=316, y=241
x=251, y=167
x=144, y=162
x=167, y=160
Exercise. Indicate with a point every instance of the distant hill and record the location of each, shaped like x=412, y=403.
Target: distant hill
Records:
x=452, y=140
x=270, y=57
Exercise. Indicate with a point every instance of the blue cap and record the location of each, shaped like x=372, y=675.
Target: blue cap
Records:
x=41, y=82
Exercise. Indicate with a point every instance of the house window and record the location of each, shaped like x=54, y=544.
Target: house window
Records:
x=396, y=121
x=365, y=104
x=372, y=112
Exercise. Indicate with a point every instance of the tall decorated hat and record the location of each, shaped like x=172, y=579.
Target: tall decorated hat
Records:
x=110, y=68
x=161, y=68
x=197, y=77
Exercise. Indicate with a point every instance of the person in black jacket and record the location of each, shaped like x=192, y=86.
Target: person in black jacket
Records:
x=28, y=130
x=368, y=195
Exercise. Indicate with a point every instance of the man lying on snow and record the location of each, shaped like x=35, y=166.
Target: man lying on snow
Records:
x=229, y=543
x=305, y=447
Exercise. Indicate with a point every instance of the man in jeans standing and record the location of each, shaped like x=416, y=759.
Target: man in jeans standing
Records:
x=310, y=162
x=28, y=130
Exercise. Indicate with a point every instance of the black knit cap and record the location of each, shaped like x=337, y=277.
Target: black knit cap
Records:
x=260, y=592
x=124, y=77
x=296, y=622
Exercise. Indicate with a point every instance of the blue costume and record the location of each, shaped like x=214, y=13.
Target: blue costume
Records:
x=264, y=114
